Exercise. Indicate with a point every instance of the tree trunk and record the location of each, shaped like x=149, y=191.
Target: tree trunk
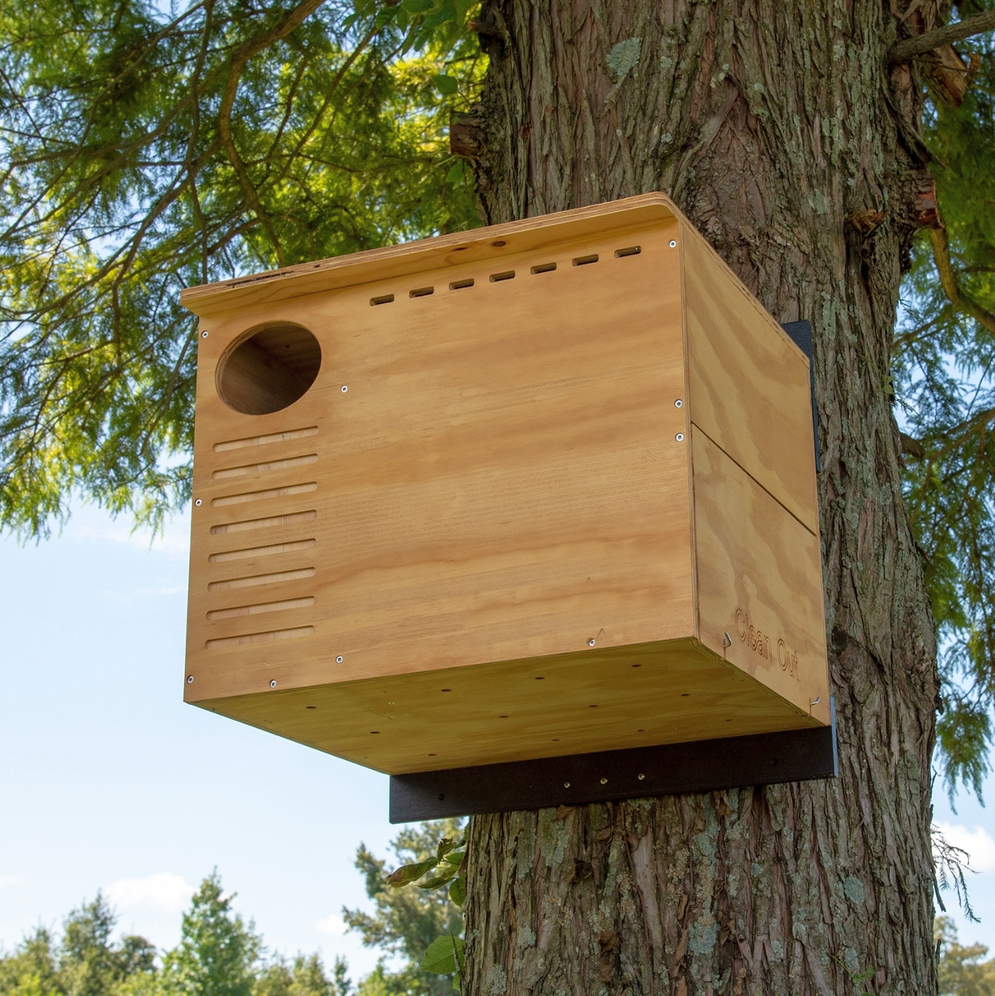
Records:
x=771, y=124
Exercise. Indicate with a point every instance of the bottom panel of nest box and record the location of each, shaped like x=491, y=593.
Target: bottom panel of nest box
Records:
x=609, y=699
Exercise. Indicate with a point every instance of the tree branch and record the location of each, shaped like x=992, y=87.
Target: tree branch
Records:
x=290, y=21
x=948, y=279
x=929, y=40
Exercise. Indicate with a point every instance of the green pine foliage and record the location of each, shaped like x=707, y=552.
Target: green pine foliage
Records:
x=146, y=149
x=944, y=367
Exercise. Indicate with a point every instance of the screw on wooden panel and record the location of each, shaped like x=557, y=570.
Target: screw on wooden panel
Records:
x=604, y=781
x=338, y=660
x=641, y=777
x=680, y=437
x=673, y=243
x=591, y=642
x=566, y=785
x=189, y=679
x=726, y=640
x=203, y=334
x=198, y=503
x=272, y=684
x=678, y=403
x=345, y=387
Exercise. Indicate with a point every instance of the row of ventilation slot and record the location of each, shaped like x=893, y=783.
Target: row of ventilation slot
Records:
x=507, y=275
x=284, y=519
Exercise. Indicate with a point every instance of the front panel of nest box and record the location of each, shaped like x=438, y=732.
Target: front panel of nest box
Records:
x=479, y=462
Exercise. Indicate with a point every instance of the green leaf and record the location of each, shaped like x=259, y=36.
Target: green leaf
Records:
x=442, y=954
x=437, y=882
x=410, y=873
x=457, y=891
x=446, y=85
x=455, y=174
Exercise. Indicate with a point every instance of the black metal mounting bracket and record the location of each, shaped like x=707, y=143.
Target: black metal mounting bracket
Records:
x=640, y=772
x=801, y=336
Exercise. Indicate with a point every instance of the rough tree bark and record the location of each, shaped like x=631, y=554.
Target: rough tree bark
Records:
x=783, y=133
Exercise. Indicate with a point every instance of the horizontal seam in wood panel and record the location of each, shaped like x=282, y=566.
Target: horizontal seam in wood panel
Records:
x=773, y=497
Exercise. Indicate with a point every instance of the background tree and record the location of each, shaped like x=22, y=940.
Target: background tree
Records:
x=960, y=971
x=147, y=152
x=87, y=962
x=406, y=921
x=218, y=953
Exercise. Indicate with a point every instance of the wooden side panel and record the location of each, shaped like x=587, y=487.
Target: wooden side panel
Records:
x=749, y=384
x=500, y=480
x=519, y=710
x=759, y=581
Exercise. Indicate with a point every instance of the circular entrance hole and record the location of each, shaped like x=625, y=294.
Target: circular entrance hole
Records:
x=269, y=368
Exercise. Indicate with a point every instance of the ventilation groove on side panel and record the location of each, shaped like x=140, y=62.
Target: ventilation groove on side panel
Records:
x=301, y=572
x=273, y=520
x=273, y=437
x=290, y=489
x=262, y=468
x=261, y=551
x=260, y=608
x=277, y=634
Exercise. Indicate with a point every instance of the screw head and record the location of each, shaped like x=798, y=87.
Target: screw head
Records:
x=338, y=660
x=591, y=642
x=203, y=334
x=680, y=437
x=198, y=503
x=678, y=403
x=189, y=679
x=604, y=781
x=272, y=684
x=345, y=387
x=641, y=777
x=566, y=785
x=673, y=243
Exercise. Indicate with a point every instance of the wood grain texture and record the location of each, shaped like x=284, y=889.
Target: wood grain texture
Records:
x=749, y=383
x=759, y=581
x=586, y=224
x=516, y=710
x=501, y=480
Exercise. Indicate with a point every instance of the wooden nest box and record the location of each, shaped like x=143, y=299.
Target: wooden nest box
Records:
x=532, y=491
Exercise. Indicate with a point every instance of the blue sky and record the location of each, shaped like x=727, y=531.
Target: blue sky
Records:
x=109, y=782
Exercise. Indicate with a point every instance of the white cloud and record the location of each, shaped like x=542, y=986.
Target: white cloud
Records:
x=978, y=843
x=162, y=891
x=332, y=925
